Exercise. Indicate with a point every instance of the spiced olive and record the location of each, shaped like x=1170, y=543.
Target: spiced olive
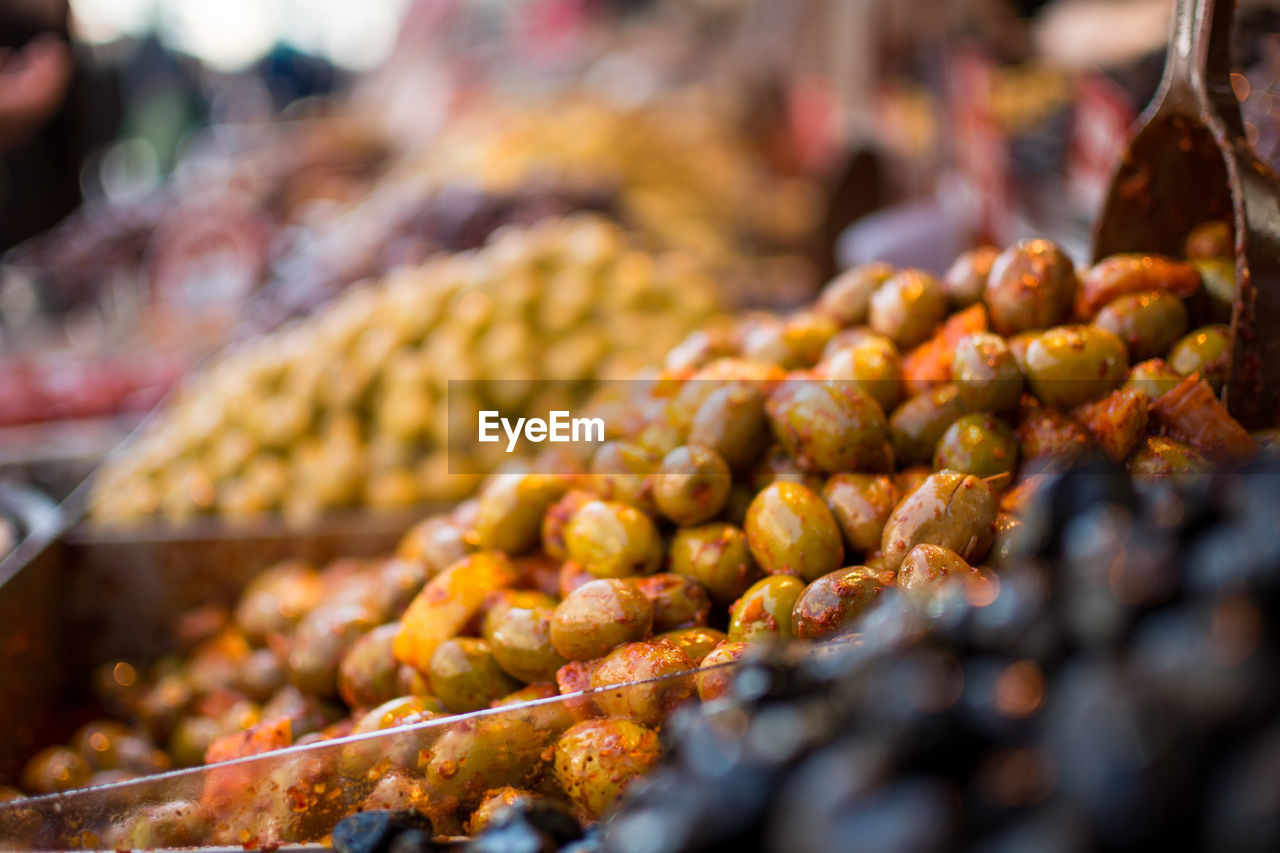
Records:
x=656, y=663
x=966, y=279
x=1153, y=377
x=907, y=307
x=916, y=425
x=598, y=616
x=790, y=531
x=465, y=676
x=512, y=506
x=731, y=421
x=717, y=556
x=1148, y=323
x=847, y=298
x=596, y=760
x=1206, y=351
x=678, y=601
x=833, y=604
x=696, y=642
x=520, y=640
x=978, y=444
x=861, y=504
x=765, y=609
x=986, y=374
x=951, y=509
x=1070, y=365
x=613, y=540
x=830, y=426
x=1031, y=285
x=715, y=673
x=692, y=484
x=872, y=365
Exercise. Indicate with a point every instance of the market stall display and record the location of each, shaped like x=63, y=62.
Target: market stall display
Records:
x=351, y=406
x=754, y=489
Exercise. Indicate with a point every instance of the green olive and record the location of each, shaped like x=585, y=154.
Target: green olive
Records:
x=495, y=803
x=1070, y=365
x=908, y=479
x=598, y=616
x=58, y=768
x=951, y=509
x=830, y=426
x=321, y=641
x=731, y=421
x=1206, y=351
x=596, y=760
x=966, y=279
x=833, y=605
x=1049, y=433
x=916, y=425
x=520, y=639
x=465, y=676
x=791, y=531
x=437, y=543
x=986, y=374
x=613, y=540
x=274, y=601
x=692, y=485
x=1219, y=278
x=717, y=556
x=475, y=755
x=861, y=504
x=1032, y=285
x=908, y=307
x=696, y=642
x=1159, y=457
x=502, y=600
x=1008, y=533
x=369, y=674
x=401, y=711
x=715, y=675
x=978, y=444
x=777, y=465
x=556, y=521
x=792, y=343
x=109, y=745
x=678, y=601
x=765, y=610
x=847, y=298
x=653, y=662
x=179, y=823
x=511, y=509
x=621, y=471
x=1210, y=239
x=927, y=570
x=1153, y=377
x=871, y=365
x=1148, y=323
x=1018, y=347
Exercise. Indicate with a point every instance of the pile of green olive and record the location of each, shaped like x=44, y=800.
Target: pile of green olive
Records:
x=347, y=407
x=770, y=481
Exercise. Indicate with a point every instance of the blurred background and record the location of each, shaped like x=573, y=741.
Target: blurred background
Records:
x=180, y=174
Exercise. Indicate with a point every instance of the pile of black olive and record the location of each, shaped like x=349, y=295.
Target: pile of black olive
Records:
x=1117, y=693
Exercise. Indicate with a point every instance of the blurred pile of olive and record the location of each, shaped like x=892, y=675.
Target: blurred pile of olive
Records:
x=775, y=479
x=348, y=406
x=1112, y=696
x=683, y=169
